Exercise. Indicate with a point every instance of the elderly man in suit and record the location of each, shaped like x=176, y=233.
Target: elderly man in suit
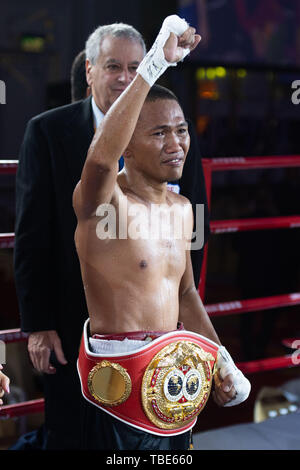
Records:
x=48, y=280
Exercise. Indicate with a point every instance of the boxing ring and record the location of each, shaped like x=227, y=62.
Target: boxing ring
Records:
x=235, y=307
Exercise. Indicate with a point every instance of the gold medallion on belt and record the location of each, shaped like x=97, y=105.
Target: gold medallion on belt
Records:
x=109, y=383
x=176, y=384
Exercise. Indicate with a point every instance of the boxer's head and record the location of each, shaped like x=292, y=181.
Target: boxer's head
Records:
x=79, y=87
x=160, y=142
x=113, y=53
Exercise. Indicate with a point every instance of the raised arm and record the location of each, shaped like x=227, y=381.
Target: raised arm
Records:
x=98, y=179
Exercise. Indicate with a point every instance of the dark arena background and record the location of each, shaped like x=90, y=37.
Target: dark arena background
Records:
x=240, y=88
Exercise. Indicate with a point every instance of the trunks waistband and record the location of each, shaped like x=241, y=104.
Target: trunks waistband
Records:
x=160, y=388
x=136, y=335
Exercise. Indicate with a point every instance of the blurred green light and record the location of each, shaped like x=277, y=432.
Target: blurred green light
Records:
x=221, y=72
x=211, y=73
x=200, y=74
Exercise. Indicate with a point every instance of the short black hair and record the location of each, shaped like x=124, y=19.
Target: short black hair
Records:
x=78, y=78
x=158, y=92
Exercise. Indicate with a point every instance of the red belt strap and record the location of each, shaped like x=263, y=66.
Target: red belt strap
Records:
x=151, y=380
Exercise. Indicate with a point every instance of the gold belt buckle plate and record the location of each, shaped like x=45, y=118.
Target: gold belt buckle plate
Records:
x=176, y=384
x=109, y=383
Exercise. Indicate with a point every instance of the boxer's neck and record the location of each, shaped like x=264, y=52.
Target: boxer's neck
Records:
x=148, y=190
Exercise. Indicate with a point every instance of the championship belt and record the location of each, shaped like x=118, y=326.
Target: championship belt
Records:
x=160, y=388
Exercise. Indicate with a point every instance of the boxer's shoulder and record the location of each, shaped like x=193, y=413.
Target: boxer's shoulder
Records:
x=175, y=198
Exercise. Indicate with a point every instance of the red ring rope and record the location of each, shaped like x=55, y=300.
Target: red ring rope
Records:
x=8, y=167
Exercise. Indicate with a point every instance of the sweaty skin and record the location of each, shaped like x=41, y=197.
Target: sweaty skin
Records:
x=130, y=284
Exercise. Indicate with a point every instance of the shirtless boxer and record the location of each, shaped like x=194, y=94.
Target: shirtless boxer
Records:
x=143, y=284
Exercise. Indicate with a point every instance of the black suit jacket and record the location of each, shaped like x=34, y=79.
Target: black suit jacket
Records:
x=47, y=271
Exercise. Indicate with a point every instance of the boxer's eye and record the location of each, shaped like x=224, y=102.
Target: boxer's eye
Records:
x=159, y=133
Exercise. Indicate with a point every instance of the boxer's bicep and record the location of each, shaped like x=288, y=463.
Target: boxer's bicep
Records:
x=97, y=186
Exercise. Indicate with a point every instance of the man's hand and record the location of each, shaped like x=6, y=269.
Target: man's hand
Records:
x=174, y=41
x=40, y=345
x=232, y=387
x=224, y=389
x=4, y=385
x=176, y=47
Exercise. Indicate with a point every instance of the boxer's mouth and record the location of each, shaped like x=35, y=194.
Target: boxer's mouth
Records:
x=173, y=161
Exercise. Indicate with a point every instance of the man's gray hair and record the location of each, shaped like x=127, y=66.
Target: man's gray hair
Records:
x=117, y=30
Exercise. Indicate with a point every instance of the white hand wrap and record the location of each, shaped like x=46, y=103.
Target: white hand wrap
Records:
x=154, y=63
x=225, y=366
